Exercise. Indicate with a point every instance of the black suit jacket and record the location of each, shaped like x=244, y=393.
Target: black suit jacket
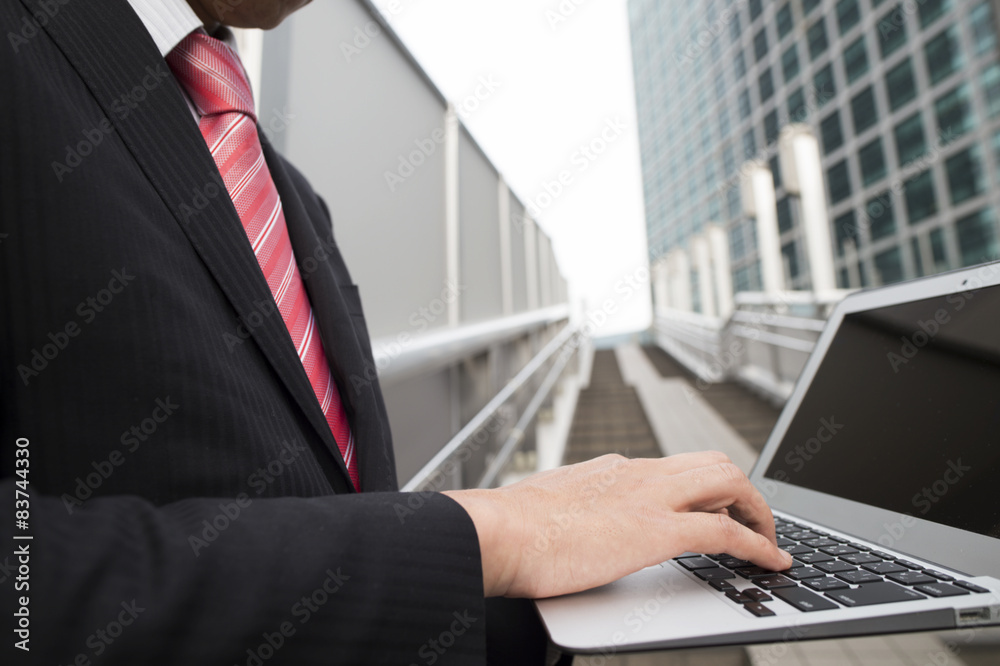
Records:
x=188, y=503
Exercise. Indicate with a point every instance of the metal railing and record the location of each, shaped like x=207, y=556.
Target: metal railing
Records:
x=502, y=426
x=764, y=344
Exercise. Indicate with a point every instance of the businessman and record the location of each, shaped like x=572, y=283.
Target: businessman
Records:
x=178, y=498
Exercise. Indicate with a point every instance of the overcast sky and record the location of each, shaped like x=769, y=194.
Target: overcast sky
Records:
x=563, y=92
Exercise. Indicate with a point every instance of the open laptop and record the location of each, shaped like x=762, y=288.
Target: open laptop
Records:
x=883, y=473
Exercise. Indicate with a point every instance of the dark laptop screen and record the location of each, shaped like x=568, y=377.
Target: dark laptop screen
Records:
x=904, y=413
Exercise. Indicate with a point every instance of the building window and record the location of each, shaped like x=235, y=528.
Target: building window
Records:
x=790, y=62
x=816, y=37
x=891, y=31
x=881, y=216
x=919, y=194
x=784, y=20
x=855, y=60
x=831, y=133
x=809, y=5
x=900, y=85
x=734, y=28
x=965, y=175
x=910, y=140
x=728, y=160
x=739, y=66
x=863, y=110
x=766, y=85
x=848, y=15
x=839, y=182
x=774, y=164
x=723, y=112
x=823, y=83
x=797, y=110
x=943, y=55
x=755, y=9
x=744, y=104
x=989, y=81
x=977, y=238
x=749, y=144
x=784, y=208
x=845, y=228
x=720, y=86
x=872, y=161
x=930, y=10
x=889, y=266
x=771, y=129
x=938, y=251
x=983, y=36
x=790, y=255
x=760, y=45
x=954, y=113
x=918, y=261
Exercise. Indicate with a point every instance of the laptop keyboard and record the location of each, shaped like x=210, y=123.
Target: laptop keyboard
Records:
x=828, y=572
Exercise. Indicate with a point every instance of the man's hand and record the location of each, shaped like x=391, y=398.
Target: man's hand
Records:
x=585, y=525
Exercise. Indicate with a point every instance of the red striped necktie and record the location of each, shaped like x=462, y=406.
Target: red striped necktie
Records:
x=214, y=78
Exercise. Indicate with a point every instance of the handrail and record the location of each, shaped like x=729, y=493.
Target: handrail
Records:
x=487, y=412
x=403, y=355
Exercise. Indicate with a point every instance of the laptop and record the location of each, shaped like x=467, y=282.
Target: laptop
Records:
x=883, y=472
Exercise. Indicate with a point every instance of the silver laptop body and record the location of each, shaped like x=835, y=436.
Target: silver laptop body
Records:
x=883, y=472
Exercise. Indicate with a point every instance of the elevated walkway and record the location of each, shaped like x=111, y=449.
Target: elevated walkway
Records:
x=642, y=403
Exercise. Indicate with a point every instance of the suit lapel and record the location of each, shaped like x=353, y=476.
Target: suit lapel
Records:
x=164, y=140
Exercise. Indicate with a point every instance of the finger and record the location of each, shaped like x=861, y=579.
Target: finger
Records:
x=715, y=533
x=722, y=486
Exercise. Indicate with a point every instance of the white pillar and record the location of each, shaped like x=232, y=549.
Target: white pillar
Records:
x=757, y=195
x=451, y=209
x=803, y=174
x=661, y=287
x=506, y=268
x=531, y=261
x=718, y=242
x=706, y=279
x=680, y=279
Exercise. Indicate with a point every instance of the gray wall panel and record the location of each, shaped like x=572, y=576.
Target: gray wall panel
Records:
x=518, y=228
x=479, y=235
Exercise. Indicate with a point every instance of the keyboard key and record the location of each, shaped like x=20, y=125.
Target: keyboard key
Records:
x=820, y=542
x=860, y=558
x=721, y=585
x=719, y=556
x=802, y=535
x=826, y=583
x=757, y=595
x=884, y=556
x=909, y=565
x=838, y=550
x=835, y=566
x=753, y=572
x=803, y=573
x=803, y=599
x=858, y=546
x=758, y=609
x=859, y=577
x=735, y=562
x=774, y=581
x=911, y=578
x=941, y=590
x=972, y=587
x=875, y=593
x=782, y=541
x=738, y=597
x=718, y=573
x=838, y=539
x=796, y=549
x=692, y=563
x=814, y=557
x=940, y=576
x=883, y=568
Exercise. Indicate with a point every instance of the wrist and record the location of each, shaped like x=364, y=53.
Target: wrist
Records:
x=498, y=530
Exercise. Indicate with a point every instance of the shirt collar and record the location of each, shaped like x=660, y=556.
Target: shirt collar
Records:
x=168, y=21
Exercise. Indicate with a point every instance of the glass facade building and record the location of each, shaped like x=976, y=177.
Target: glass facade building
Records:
x=902, y=97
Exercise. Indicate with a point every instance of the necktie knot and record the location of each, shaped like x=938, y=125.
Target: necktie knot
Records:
x=212, y=74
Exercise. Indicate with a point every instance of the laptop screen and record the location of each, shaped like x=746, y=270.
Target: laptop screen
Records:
x=904, y=413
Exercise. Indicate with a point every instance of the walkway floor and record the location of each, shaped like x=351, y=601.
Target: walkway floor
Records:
x=641, y=403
